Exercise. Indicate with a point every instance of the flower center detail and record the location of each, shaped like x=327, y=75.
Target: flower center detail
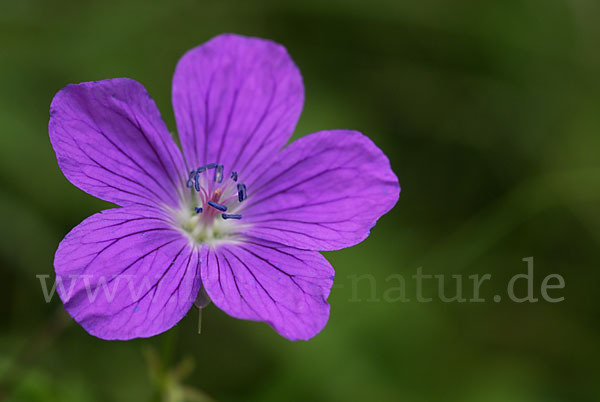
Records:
x=212, y=205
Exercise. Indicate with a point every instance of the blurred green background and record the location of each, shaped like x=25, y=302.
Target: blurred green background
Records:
x=490, y=114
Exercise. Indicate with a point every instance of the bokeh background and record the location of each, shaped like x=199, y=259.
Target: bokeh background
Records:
x=490, y=114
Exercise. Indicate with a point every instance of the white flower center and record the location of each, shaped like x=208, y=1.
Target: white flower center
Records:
x=210, y=210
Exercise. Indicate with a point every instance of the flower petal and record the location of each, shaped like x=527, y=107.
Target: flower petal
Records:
x=125, y=273
x=325, y=191
x=263, y=281
x=237, y=100
x=111, y=142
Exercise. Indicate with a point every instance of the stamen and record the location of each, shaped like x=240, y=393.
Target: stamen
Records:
x=215, y=205
x=241, y=192
x=191, y=176
x=231, y=216
x=219, y=174
x=214, y=194
x=197, y=181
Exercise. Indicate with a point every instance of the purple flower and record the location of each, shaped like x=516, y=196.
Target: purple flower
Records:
x=234, y=216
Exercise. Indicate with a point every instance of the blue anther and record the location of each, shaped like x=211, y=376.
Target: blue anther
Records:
x=201, y=169
x=189, y=182
x=197, y=181
x=231, y=216
x=234, y=176
x=211, y=166
x=241, y=192
x=198, y=210
x=219, y=174
x=215, y=205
